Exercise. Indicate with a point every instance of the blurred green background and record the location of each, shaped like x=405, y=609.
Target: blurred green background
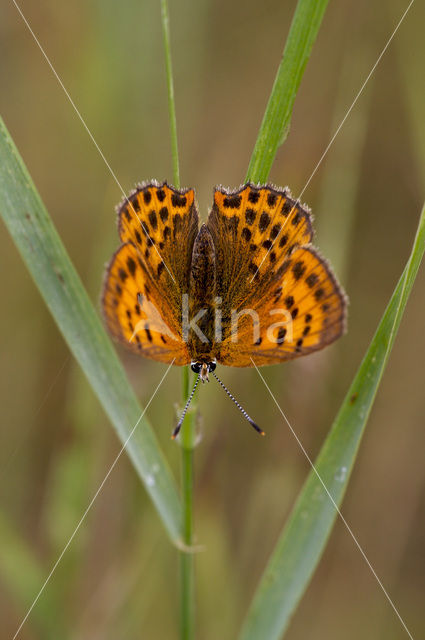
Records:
x=118, y=579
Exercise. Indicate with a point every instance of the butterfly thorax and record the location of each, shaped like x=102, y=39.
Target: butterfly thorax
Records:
x=202, y=298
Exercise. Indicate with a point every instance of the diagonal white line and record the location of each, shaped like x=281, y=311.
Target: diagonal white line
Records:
x=357, y=97
x=341, y=123
x=334, y=504
x=83, y=122
x=90, y=505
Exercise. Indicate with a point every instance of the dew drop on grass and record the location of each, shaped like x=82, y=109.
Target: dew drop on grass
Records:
x=150, y=481
x=341, y=474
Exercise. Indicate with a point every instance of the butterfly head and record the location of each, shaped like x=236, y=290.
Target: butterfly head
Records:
x=203, y=368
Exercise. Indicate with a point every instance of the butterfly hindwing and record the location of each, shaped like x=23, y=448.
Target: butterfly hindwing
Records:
x=303, y=312
x=147, y=277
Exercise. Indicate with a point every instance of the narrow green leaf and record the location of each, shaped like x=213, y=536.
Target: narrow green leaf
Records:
x=165, y=20
x=45, y=256
x=303, y=539
x=275, y=126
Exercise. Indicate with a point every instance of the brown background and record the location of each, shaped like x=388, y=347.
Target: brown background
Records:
x=119, y=577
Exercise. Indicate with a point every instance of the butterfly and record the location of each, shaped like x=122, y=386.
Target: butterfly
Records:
x=247, y=288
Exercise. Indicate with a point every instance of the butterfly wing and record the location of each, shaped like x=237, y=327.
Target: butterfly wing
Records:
x=147, y=276
x=280, y=299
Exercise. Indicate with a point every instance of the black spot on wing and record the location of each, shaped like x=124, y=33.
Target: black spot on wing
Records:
x=286, y=207
x=134, y=202
x=289, y=302
x=232, y=202
x=131, y=265
x=253, y=196
x=153, y=220
x=163, y=214
x=319, y=293
x=178, y=201
x=271, y=199
x=275, y=231
x=249, y=216
x=281, y=336
x=283, y=240
x=312, y=279
x=246, y=234
x=298, y=269
x=297, y=217
x=264, y=221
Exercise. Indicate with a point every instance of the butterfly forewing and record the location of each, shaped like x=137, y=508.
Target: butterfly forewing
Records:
x=149, y=274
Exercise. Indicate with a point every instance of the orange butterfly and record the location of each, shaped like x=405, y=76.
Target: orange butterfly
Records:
x=246, y=288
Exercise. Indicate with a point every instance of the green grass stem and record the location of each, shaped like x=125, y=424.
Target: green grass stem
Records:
x=170, y=91
x=187, y=434
x=275, y=125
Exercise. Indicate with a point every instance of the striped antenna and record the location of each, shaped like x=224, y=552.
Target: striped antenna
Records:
x=244, y=413
x=180, y=422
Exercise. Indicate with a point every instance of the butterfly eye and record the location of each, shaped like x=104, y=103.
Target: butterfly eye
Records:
x=211, y=366
x=196, y=367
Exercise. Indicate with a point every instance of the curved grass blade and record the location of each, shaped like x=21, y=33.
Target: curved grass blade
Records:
x=275, y=125
x=304, y=537
x=45, y=256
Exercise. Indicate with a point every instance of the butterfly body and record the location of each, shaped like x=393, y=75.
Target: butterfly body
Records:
x=246, y=288
x=202, y=297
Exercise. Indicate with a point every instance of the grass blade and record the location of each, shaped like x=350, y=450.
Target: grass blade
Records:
x=170, y=92
x=187, y=435
x=303, y=539
x=275, y=126
x=45, y=256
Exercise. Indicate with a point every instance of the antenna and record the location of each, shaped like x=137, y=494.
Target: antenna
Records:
x=244, y=413
x=180, y=422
